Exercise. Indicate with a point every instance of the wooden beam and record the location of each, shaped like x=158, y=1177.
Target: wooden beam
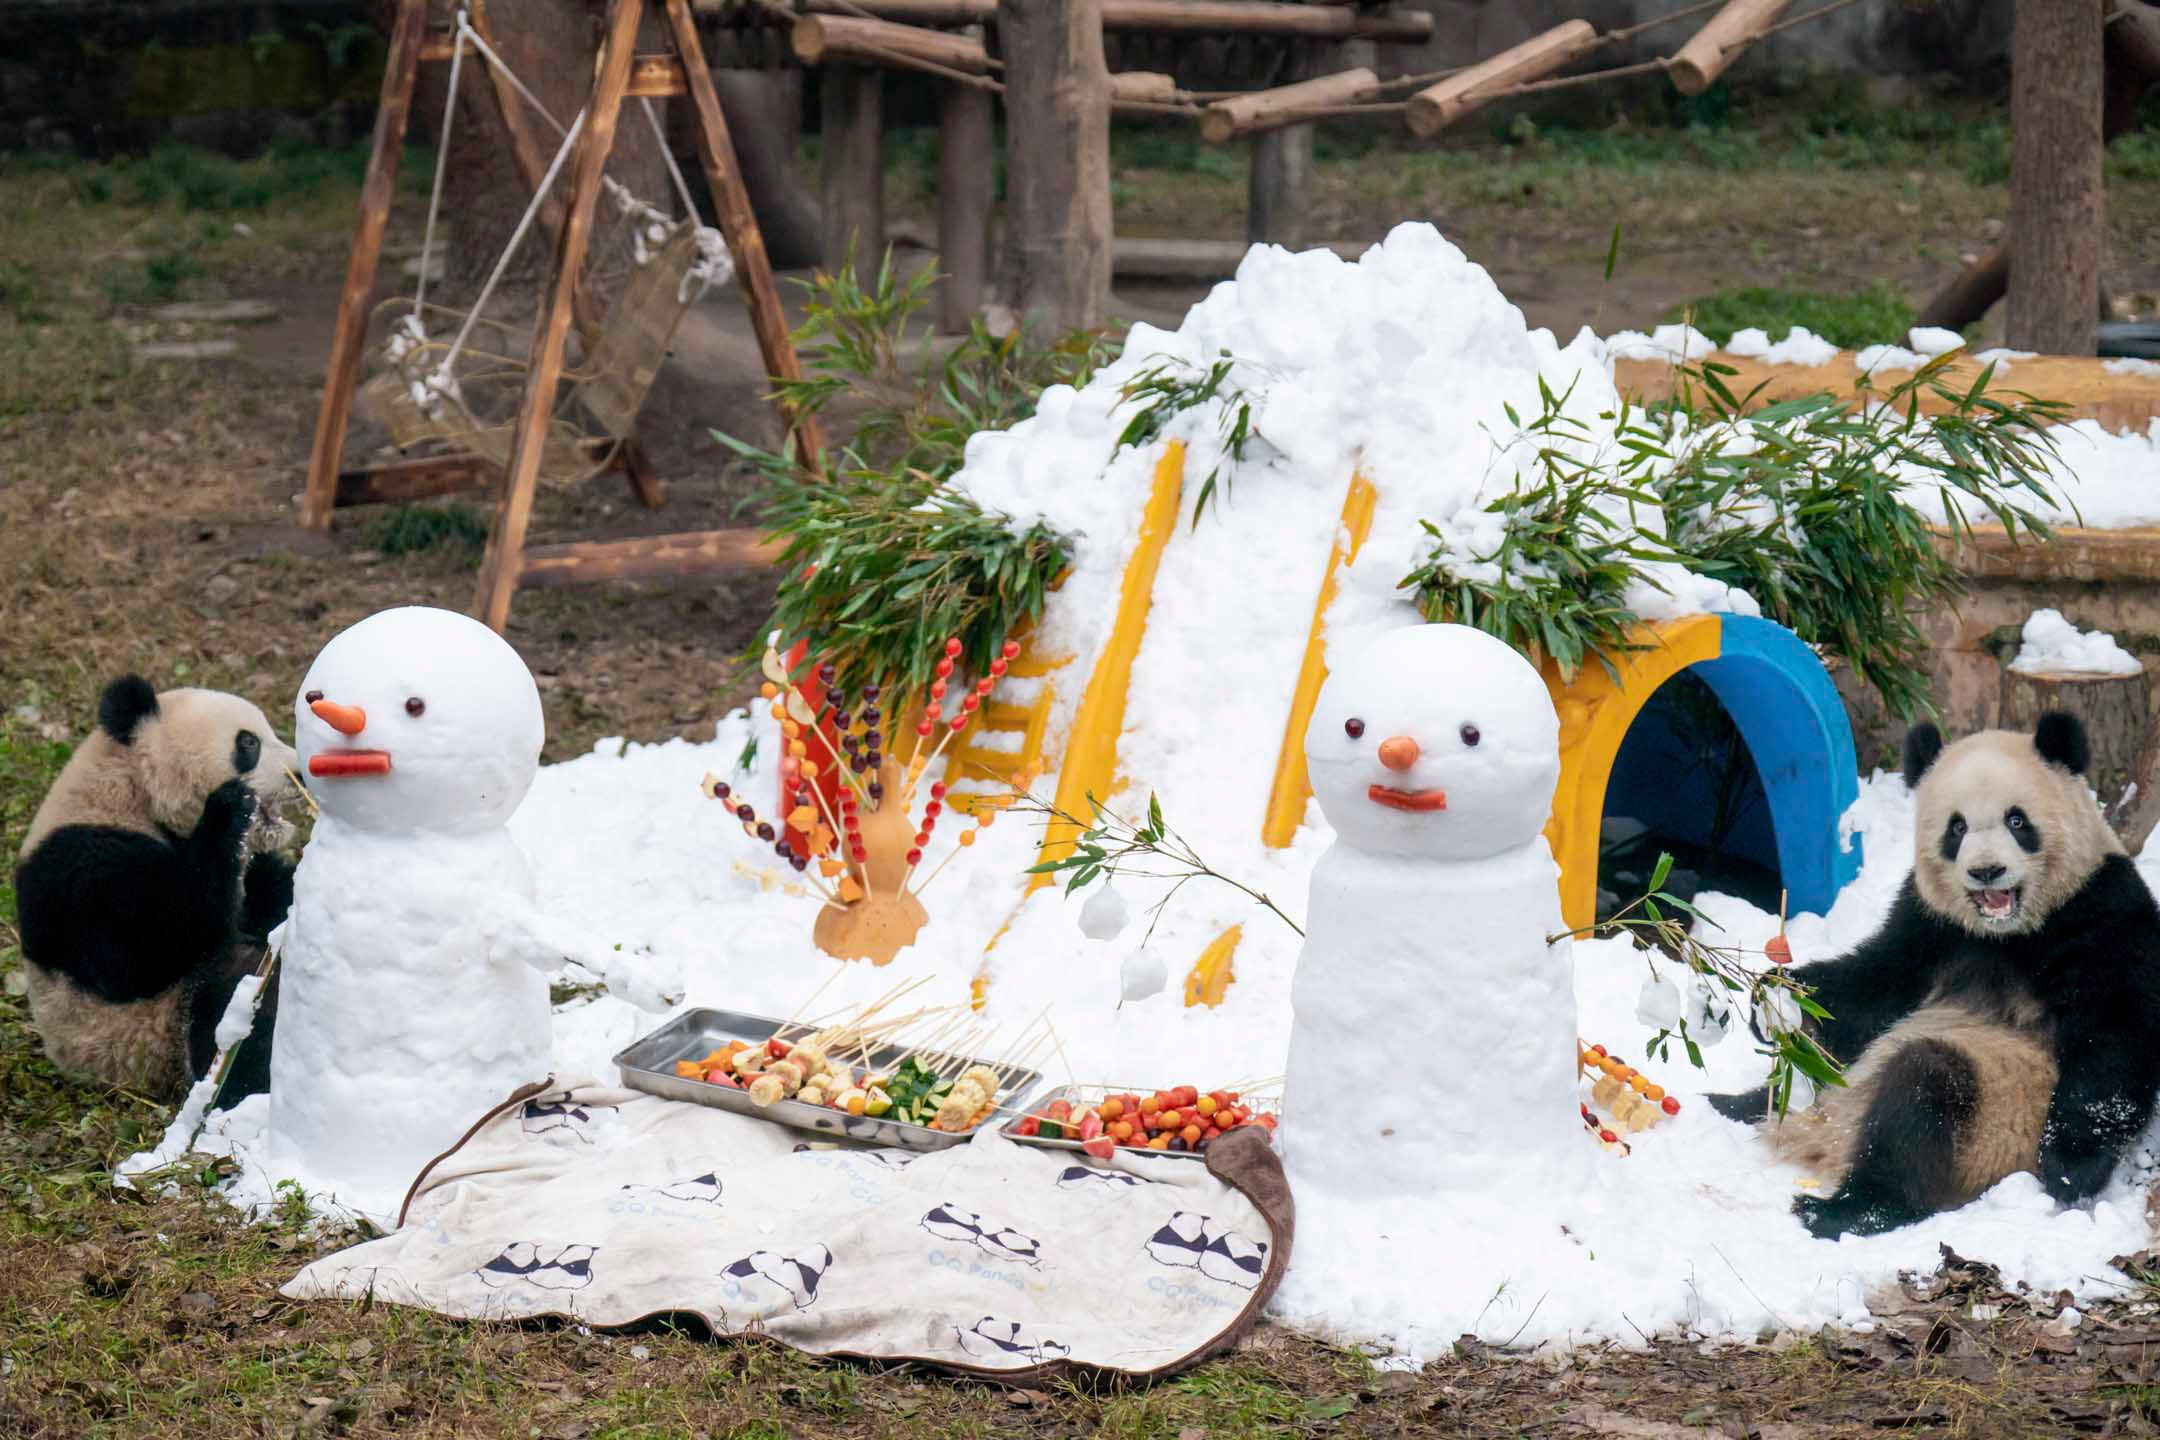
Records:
x=2058, y=206
x=2071, y=555
x=400, y=482
x=966, y=198
x=400, y=69
x=1161, y=258
x=653, y=557
x=1719, y=43
x=851, y=168
x=1057, y=139
x=506, y=543
x=657, y=77
x=1211, y=17
x=1266, y=109
x=1436, y=107
x=826, y=39
x=1143, y=87
x=738, y=224
x=439, y=47
x=2081, y=383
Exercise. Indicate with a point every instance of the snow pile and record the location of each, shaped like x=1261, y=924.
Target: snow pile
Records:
x=1887, y=358
x=2097, y=478
x=1801, y=346
x=1674, y=344
x=2131, y=365
x=1933, y=340
x=1399, y=366
x=2053, y=646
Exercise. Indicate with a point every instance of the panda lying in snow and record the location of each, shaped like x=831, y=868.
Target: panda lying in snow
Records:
x=2006, y=1017
x=147, y=884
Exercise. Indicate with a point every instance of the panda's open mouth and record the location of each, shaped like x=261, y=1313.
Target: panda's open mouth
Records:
x=1997, y=905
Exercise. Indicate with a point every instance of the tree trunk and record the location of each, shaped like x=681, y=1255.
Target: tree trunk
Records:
x=2057, y=208
x=551, y=45
x=851, y=144
x=966, y=196
x=763, y=109
x=1057, y=173
x=1281, y=174
x=2116, y=711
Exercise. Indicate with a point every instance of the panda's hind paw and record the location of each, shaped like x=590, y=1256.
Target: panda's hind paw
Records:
x=1827, y=1217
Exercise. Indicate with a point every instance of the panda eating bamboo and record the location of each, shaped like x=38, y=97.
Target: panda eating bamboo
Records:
x=2005, y=1018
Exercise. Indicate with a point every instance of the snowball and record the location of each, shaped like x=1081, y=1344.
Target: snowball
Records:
x=1142, y=976
x=1105, y=914
x=1933, y=340
x=1748, y=344
x=1658, y=1006
x=1780, y=1011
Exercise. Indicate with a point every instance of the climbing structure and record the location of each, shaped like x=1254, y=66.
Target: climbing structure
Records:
x=1773, y=687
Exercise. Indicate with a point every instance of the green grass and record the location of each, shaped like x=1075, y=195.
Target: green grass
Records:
x=412, y=529
x=1878, y=315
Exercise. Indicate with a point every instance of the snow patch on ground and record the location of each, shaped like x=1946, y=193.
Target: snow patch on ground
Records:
x=2053, y=646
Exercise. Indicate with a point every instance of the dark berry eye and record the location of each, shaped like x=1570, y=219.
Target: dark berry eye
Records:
x=1353, y=728
x=1470, y=735
x=312, y=696
x=415, y=707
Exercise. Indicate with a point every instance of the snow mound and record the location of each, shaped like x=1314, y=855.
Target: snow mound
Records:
x=2053, y=646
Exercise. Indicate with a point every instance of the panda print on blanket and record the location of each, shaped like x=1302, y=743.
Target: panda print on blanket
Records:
x=559, y=1116
x=769, y=1278
x=1087, y=1177
x=538, y=1264
x=704, y=1189
x=964, y=1227
x=993, y=1339
x=1196, y=1242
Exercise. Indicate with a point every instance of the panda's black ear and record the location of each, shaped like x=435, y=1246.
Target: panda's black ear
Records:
x=127, y=702
x=1922, y=744
x=2060, y=739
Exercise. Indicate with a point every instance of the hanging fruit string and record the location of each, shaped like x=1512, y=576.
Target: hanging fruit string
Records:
x=933, y=711
x=986, y=813
x=763, y=830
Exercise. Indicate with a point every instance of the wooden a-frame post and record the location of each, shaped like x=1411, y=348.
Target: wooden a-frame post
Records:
x=619, y=73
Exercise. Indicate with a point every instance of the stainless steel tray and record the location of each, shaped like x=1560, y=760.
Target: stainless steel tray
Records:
x=649, y=1065
x=1079, y=1094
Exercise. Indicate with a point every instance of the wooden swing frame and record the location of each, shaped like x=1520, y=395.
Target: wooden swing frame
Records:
x=619, y=73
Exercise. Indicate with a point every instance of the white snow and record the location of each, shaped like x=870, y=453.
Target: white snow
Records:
x=2131, y=365
x=1668, y=342
x=1801, y=346
x=1397, y=366
x=1886, y=358
x=2053, y=646
x=1933, y=340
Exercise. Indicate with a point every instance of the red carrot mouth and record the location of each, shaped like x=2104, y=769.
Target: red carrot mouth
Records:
x=1420, y=801
x=330, y=763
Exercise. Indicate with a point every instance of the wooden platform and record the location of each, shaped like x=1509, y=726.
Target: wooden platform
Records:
x=2091, y=391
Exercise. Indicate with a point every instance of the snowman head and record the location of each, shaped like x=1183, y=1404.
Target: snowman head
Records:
x=419, y=720
x=1436, y=742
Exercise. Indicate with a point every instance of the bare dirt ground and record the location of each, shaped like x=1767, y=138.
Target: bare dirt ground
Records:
x=146, y=521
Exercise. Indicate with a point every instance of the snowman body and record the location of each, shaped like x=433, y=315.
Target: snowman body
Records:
x=406, y=1010
x=412, y=995
x=1433, y=1036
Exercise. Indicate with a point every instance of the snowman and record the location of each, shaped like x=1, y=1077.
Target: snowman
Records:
x=1432, y=1041
x=414, y=963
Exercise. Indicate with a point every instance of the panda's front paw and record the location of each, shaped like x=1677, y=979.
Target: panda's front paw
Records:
x=1746, y=1108
x=226, y=816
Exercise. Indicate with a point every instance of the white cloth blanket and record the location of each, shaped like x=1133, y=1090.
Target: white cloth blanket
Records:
x=609, y=1206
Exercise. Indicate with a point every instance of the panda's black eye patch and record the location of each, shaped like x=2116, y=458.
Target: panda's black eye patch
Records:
x=2022, y=830
x=416, y=707
x=1353, y=727
x=246, y=751
x=1953, y=835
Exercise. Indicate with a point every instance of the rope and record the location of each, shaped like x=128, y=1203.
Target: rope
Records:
x=442, y=153
x=502, y=262
x=682, y=186
x=487, y=53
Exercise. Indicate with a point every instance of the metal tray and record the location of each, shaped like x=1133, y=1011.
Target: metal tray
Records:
x=1075, y=1093
x=649, y=1065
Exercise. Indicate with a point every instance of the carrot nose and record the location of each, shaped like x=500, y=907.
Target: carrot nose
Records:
x=345, y=719
x=1398, y=752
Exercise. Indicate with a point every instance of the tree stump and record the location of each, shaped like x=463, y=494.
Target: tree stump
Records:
x=2117, y=714
x=851, y=143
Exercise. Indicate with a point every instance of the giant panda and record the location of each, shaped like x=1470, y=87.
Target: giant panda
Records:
x=149, y=881
x=2005, y=1018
